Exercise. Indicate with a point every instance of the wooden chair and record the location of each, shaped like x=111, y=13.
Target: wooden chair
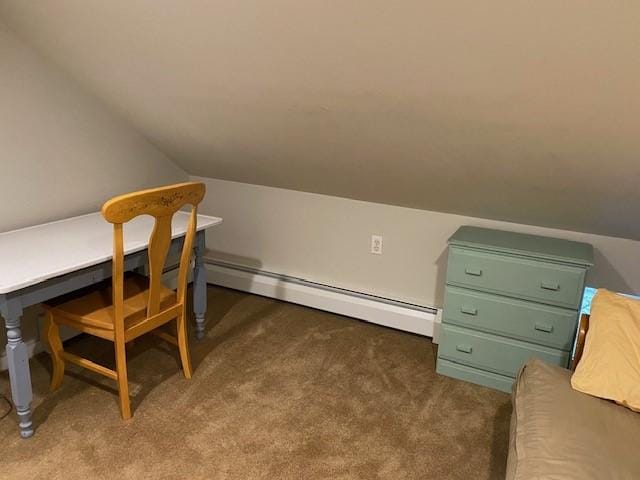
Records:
x=130, y=305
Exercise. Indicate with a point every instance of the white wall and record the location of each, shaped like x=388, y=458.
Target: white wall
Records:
x=326, y=239
x=61, y=152
x=503, y=109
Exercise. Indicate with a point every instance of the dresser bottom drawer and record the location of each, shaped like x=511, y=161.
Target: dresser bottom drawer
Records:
x=474, y=375
x=492, y=353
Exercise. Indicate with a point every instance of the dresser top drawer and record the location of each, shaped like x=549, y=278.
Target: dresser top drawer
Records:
x=534, y=246
x=517, y=277
x=532, y=322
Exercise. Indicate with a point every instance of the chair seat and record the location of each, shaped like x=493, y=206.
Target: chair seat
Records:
x=93, y=306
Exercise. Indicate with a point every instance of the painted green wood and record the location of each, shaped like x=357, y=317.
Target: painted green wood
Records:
x=493, y=353
x=545, y=282
x=519, y=319
x=474, y=375
x=544, y=248
x=508, y=297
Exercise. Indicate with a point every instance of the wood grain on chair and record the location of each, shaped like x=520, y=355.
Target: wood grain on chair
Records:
x=131, y=305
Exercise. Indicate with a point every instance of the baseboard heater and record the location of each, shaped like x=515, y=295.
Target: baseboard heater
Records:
x=375, y=309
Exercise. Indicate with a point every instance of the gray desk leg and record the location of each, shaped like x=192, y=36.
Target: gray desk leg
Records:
x=199, y=285
x=18, y=361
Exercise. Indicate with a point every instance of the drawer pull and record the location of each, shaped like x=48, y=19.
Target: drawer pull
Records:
x=464, y=348
x=469, y=311
x=541, y=327
x=476, y=272
x=550, y=286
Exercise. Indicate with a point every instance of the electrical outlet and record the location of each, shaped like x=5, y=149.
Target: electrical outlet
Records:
x=376, y=244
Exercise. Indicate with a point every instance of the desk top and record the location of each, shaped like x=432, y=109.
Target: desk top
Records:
x=34, y=254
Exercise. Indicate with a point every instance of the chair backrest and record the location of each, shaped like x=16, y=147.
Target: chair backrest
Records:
x=161, y=203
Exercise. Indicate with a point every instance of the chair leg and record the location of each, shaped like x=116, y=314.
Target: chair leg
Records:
x=183, y=345
x=52, y=335
x=123, y=385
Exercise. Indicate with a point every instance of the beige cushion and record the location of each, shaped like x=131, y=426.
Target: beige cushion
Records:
x=610, y=364
x=558, y=433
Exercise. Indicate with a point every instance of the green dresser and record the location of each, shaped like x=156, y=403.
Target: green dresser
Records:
x=508, y=297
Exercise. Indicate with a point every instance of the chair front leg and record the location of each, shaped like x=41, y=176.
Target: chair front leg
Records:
x=121, y=370
x=183, y=344
x=54, y=343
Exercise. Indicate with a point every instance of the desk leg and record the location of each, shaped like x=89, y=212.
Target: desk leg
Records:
x=199, y=285
x=18, y=361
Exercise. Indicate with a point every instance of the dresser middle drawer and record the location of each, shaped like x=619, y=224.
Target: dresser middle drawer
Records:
x=518, y=277
x=534, y=322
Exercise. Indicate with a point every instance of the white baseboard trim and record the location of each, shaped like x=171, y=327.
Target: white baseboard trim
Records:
x=382, y=311
x=437, y=327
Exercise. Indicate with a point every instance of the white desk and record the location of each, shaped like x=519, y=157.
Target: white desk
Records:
x=44, y=261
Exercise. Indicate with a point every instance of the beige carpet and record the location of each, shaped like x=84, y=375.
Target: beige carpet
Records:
x=279, y=391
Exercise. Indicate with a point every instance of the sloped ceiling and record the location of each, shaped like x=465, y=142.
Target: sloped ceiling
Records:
x=513, y=110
